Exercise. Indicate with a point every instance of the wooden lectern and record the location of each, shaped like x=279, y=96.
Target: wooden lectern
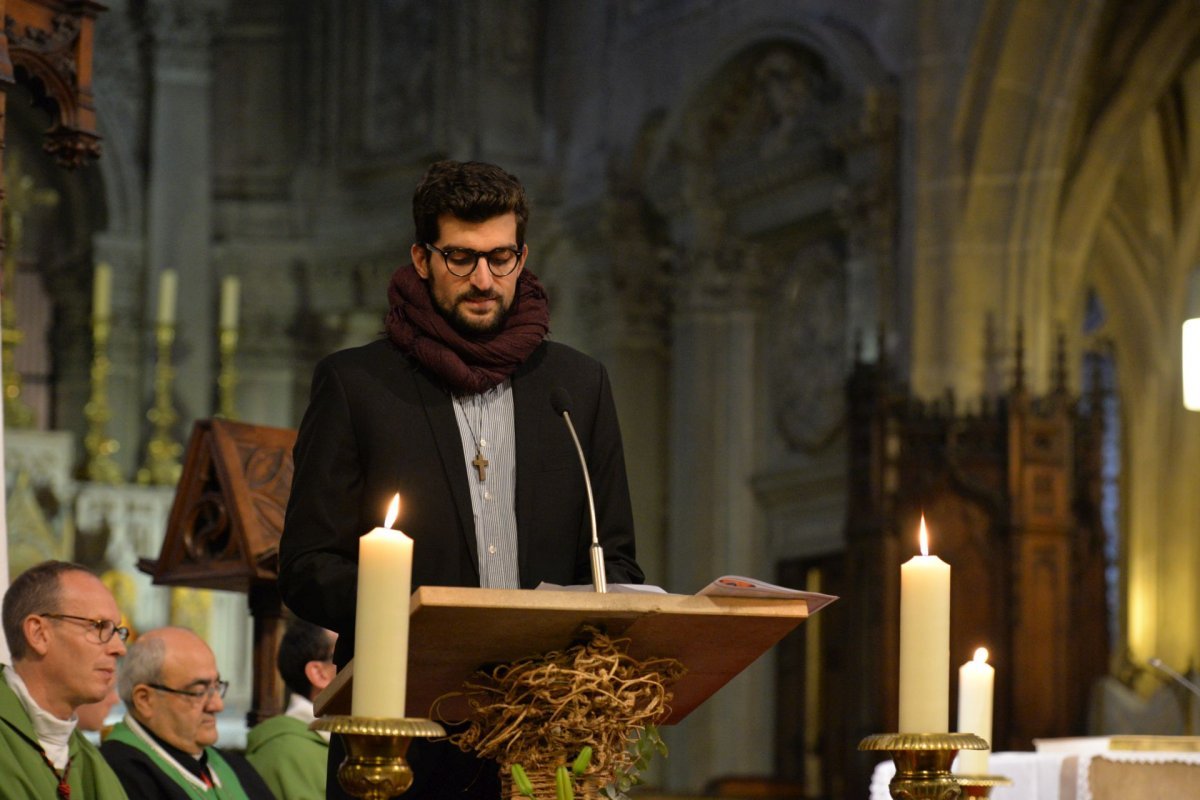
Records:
x=455, y=631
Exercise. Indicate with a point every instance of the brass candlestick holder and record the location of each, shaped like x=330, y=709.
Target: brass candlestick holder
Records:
x=162, y=467
x=100, y=466
x=923, y=762
x=981, y=785
x=227, y=379
x=375, y=767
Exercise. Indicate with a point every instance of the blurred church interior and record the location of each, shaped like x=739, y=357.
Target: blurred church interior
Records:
x=847, y=261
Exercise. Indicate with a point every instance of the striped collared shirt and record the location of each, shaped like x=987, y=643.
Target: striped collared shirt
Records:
x=485, y=424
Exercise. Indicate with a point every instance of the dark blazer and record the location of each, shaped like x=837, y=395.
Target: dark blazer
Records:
x=378, y=423
x=141, y=777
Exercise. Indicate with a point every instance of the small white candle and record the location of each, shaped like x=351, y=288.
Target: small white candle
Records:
x=102, y=292
x=924, y=642
x=166, y=297
x=231, y=290
x=381, y=627
x=976, y=681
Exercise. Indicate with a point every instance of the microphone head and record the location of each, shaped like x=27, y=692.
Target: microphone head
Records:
x=560, y=400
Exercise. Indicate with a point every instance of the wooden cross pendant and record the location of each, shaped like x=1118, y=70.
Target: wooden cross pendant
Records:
x=481, y=464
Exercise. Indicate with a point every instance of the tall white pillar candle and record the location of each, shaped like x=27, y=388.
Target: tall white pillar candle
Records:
x=231, y=290
x=924, y=642
x=976, y=683
x=166, y=297
x=381, y=626
x=102, y=292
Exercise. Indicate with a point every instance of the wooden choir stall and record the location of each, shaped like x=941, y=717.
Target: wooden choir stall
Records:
x=1010, y=489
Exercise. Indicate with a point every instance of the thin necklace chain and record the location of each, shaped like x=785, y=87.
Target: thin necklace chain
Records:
x=477, y=402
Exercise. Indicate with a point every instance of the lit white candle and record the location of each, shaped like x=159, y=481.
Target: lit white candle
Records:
x=976, y=681
x=102, y=292
x=166, y=297
x=381, y=627
x=231, y=290
x=924, y=642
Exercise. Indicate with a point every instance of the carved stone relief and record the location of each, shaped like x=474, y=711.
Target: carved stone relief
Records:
x=773, y=101
x=807, y=349
x=786, y=207
x=640, y=267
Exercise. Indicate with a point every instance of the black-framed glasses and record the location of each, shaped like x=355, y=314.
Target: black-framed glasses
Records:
x=461, y=261
x=103, y=628
x=217, y=688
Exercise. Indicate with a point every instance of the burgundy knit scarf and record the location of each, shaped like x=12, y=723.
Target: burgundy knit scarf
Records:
x=469, y=365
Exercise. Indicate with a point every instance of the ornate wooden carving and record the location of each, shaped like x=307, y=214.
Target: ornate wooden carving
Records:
x=1012, y=501
x=224, y=529
x=47, y=45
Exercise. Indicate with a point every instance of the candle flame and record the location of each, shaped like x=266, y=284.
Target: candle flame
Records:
x=392, y=512
x=981, y=655
x=924, y=537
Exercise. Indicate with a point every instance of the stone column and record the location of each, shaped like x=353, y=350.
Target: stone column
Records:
x=179, y=208
x=714, y=526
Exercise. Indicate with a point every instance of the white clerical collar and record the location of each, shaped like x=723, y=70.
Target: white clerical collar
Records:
x=301, y=708
x=53, y=734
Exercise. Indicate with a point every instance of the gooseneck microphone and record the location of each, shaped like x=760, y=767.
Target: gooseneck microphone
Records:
x=562, y=406
x=1158, y=664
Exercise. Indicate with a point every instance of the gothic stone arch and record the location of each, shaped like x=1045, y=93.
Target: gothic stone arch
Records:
x=776, y=182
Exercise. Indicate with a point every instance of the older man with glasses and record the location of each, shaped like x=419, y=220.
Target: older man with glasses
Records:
x=164, y=746
x=61, y=625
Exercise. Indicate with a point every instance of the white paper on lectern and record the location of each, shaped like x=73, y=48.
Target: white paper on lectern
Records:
x=725, y=586
x=613, y=588
x=739, y=586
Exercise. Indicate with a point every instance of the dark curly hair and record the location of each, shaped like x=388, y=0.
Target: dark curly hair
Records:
x=472, y=191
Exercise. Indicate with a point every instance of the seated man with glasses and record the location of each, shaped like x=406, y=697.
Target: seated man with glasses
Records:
x=60, y=623
x=164, y=746
x=291, y=758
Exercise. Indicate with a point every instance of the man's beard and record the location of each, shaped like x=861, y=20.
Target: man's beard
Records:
x=470, y=326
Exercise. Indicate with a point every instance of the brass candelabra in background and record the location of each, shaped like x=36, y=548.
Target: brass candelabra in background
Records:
x=100, y=466
x=227, y=378
x=22, y=198
x=162, y=467
x=16, y=413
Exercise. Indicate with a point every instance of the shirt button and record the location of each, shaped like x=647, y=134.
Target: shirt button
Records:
x=487, y=495
x=491, y=549
x=483, y=442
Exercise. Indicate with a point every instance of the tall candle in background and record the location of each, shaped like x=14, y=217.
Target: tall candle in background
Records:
x=166, y=297
x=976, y=682
x=924, y=642
x=102, y=292
x=231, y=289
x=381, y=627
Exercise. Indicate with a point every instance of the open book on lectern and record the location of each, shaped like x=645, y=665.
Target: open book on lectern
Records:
x=725, y=586
x=455, y=631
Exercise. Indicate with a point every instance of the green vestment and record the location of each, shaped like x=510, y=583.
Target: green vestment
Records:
x=290, y=758
x=24, y=772
x=230, y=787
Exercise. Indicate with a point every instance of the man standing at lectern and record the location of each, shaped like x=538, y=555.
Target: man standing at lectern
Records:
x=452, y=410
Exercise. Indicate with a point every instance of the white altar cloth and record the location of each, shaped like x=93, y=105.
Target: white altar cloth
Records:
x=1049, y=775
x=1035, y=776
